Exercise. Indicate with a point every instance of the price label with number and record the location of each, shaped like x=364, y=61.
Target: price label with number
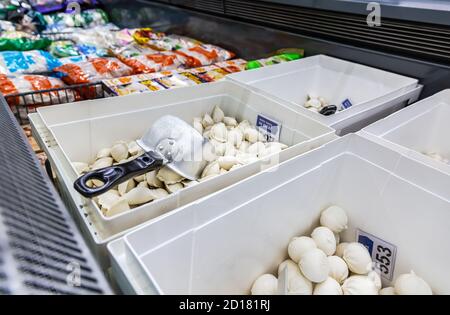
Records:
x=383, y=253
x=269, y=127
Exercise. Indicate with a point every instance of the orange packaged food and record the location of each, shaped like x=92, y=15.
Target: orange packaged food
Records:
x=204, y=55
x=31, y=83
x=162, y=61
x=93, y=70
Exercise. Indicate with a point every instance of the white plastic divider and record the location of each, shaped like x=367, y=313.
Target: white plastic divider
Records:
x=222, y=243
x=70, y=112
x=79, y=140
x=374, y=93
x=419, y=129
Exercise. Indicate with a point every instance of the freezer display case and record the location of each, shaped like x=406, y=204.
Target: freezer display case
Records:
x=327, y=121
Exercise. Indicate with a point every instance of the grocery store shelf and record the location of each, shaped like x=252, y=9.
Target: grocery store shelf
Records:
x=251, y=39
x=42, y=251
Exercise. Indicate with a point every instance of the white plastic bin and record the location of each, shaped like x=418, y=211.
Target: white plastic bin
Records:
x=374, y=93
x=418, y=130
x=81, y=139
x=221, y=244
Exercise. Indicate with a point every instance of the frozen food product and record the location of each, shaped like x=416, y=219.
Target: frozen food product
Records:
x=89, y=18
x=173, y=42
x=204, y=55
x=144, y=35
x=234, y=65
x=320, y=105
x=132, y=50
x=63, y=48
x=30, y=83
x=255, y=64
x=6, y=26
x=93, y=70
x=23, y=43
x=331, y=274
x=72, y=59
x=154, y=62
x=29, y=62
x=171, y=78
x=46, y=6
x=227, y=153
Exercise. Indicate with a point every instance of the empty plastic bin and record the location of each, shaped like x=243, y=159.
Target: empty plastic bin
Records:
x=97, y=127
x=221, y=244
x=421, y=131
x=374, y=93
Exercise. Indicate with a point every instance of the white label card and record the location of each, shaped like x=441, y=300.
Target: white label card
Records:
x=383, y=253
x=269, y=127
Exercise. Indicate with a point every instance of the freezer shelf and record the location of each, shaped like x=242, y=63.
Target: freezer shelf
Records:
x=244, y=230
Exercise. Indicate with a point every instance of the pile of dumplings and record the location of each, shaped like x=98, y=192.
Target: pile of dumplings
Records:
x=234, y=144
x=320, y=265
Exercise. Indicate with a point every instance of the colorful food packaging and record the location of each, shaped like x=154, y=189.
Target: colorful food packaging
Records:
x=6, y=26
x=93, y=70
x=30, y=83
x=63, y=48
x=86, y=19
x=144, y=35
x=72, y=59
x=23, y=44
x=154, y=62
x=235, y=65
x=46, y=6
x=27, y=62
x=172, y=78
x=254, y=64
x=204, y=55
x=133, y=50
x=173, y=42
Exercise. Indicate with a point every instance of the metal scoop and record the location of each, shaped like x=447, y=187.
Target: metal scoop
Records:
x=169, y=142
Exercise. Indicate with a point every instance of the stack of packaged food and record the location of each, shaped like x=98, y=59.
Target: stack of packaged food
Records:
x=44, y=48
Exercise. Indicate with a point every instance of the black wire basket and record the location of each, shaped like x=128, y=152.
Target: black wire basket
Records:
x=21, y=104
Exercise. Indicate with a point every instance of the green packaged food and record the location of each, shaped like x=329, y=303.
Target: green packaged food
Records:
x=24, y=44
x=63, y=48
x=255, y=64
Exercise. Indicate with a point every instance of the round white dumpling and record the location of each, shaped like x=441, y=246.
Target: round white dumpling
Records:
x=266, y=284
x=338, y=268
x=314, y=265
x=359, y=285
x=411, y=284
x=296, y=283
x=299, y=246
x=334, y=218
x=324, y=239
x=328, y=287
x=357, y=258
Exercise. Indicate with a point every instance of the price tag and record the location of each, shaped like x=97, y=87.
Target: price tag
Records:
x=270, y=128
x=383, y=253
x=346, y=104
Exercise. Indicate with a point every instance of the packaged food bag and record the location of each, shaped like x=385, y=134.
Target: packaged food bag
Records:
x=46, y=6
x=93, y=70
x=173, y=42
x=86, y=19
x=31, y=83
x=63, y=48
x=204, y=55
x=27, y=62
x=161, y=61
x=286, y=57
x=144, y=35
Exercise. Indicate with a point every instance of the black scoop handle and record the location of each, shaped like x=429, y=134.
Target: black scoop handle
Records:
x=113, y=175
